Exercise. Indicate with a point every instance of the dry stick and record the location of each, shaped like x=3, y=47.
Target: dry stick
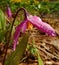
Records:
x=50, y=51
x=51, y=62
x=7, y=43
x=44, y=50
x=23, y=59
x=53, y=46
x=49, y=54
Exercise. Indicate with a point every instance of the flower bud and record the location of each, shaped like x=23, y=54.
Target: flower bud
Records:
x=9, y=13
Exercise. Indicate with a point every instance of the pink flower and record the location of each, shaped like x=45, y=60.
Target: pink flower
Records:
x=35, y=21
x=9, y=13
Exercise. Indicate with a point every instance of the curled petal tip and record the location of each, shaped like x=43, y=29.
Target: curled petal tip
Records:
x=54, y=34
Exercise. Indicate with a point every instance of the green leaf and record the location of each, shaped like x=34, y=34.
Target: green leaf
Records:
x=35, y=52
x=40, y=62
x=2, y=34
x=16, y=56
x=2, y=20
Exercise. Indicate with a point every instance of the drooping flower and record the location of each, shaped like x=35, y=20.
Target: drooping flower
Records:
x=42, y=26
x=35, y=21
x=9, y=13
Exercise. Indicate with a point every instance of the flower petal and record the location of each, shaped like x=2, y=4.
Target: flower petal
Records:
x=17, y=34
x=24, y=27
x=44, y=27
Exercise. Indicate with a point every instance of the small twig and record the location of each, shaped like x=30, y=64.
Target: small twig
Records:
x=23, y=59
x=49, y=50
x=49, y=54
x=51, y=62
x=32, y=61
